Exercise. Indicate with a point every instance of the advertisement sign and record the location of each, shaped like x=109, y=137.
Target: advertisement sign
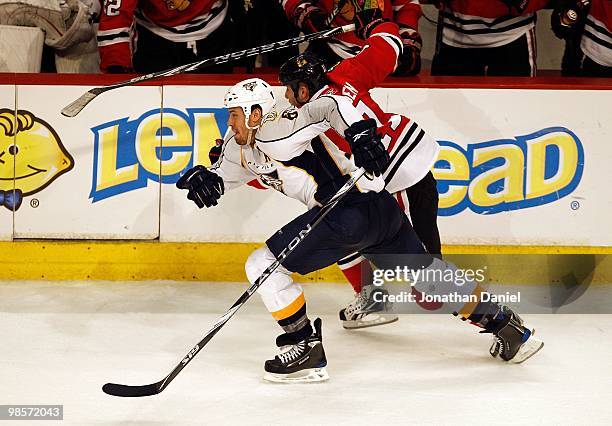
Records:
x=7, y=166
x=516, y=166
x=77, y=162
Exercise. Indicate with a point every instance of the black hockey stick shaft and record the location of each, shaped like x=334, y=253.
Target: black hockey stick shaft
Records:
x=155, y=388
x=77, y=106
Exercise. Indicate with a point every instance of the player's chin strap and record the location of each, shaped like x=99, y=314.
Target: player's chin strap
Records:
x=252, y=130
x=250, y=139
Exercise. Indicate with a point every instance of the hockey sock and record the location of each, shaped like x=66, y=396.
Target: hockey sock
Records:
x=357, y=270
x=300, y=334
x=293, y=319
x=481, y=314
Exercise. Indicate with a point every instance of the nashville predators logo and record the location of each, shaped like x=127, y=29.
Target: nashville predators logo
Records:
x=250, y=86
x=178, y=5
x=31, y=156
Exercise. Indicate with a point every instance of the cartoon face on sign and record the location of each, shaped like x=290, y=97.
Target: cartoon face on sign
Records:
x=31, y=156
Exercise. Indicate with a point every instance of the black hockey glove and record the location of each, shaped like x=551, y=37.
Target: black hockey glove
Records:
x=367, y=147
x=568, y=18
x=366, y=20
x=409, y=62
x=215, y=151
x=309, y=18
x=204, y=186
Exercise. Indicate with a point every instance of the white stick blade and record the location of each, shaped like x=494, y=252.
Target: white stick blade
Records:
x=77, y=106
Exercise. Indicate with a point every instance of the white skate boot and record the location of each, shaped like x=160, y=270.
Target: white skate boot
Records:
x=364, y=311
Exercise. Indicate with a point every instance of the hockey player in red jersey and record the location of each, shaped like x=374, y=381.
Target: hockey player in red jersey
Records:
x=486, y=37
x=412, y=151
x=153, y=35
x=588, y=25
x=317, y=15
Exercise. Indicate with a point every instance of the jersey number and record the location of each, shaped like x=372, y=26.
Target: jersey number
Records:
x=112, y=7
x=389, y=132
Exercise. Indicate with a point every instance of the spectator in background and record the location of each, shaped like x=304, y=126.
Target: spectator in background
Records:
x=153, y=35
x=586, y=26
x=486, y=37
x=65, y=26
x=312, y=16
x=266, y=23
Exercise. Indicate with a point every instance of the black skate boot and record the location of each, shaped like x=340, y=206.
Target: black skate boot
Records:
x=302, y=361
x=365, y=311
x=512, y=341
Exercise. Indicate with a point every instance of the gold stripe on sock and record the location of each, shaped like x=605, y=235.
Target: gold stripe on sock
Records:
x=291, y=309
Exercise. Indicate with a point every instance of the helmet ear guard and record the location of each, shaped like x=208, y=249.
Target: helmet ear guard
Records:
x=248, y=94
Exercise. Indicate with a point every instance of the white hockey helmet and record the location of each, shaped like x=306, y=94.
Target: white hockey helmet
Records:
x=253, y=91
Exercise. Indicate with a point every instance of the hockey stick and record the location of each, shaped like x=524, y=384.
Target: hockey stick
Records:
x=77, y=106
x=155, y=388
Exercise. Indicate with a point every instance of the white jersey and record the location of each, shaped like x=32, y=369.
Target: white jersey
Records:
x=288, y=155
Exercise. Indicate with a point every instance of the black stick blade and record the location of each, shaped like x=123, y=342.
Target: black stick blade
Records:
x=131, y=391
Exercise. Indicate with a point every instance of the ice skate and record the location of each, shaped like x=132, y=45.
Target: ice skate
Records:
x=299, y=362
x=512, y=341
x=364, y=311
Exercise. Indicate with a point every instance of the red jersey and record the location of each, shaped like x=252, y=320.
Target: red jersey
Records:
x=485, y=23
x=175, y=20
x=596, y=40
x=412, y=151
x=405, y=13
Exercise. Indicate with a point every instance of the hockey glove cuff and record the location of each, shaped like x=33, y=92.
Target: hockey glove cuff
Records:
x=367, y=147
x=215, y=151
x=204, y=186
x=409, y=61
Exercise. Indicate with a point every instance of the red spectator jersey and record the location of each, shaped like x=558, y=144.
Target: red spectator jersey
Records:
x=403, y=12
x=485, y=23
x=412, y=151
x=596, y=40
x=176, y=20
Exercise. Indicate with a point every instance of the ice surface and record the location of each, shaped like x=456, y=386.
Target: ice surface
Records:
x=60, y=342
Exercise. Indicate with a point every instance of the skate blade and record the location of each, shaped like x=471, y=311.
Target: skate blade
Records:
x=310, y=375
x=371, y=320
x=529, y=349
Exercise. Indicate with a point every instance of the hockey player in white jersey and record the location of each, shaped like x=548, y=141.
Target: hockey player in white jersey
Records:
x=275, y=146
